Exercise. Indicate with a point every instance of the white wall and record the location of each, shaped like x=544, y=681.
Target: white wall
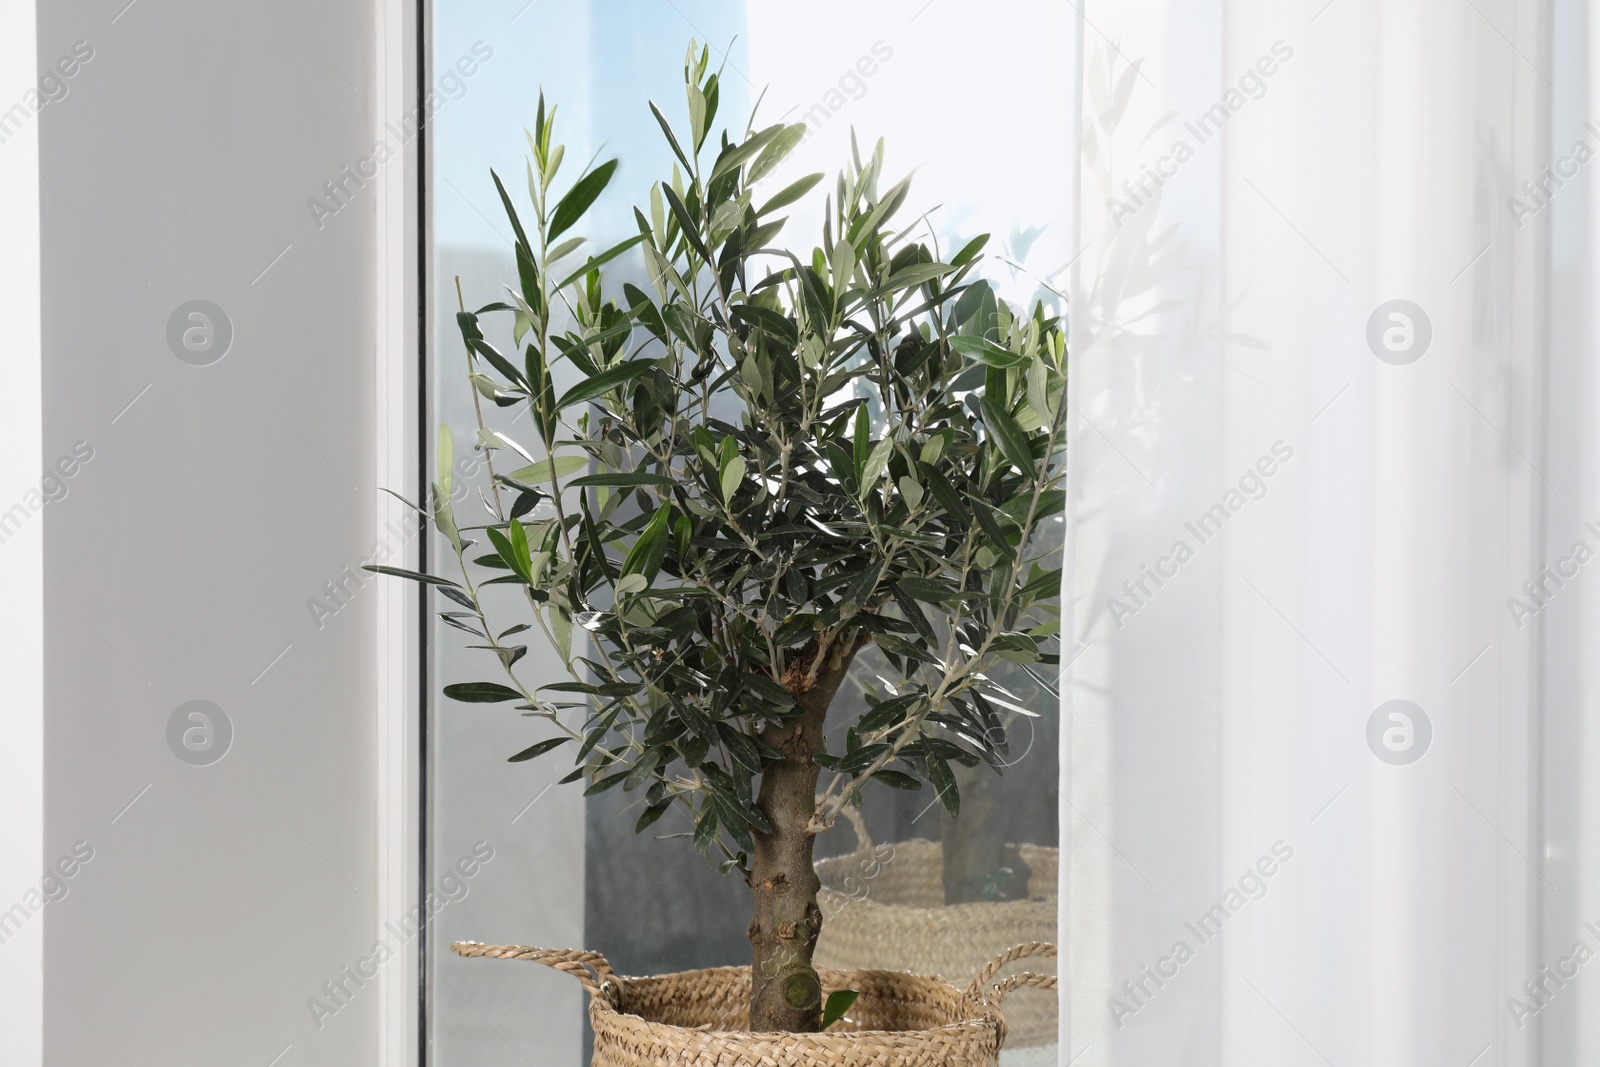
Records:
x=182, y=560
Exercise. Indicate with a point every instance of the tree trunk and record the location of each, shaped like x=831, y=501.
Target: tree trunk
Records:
x=785, y=993
x=973, y=846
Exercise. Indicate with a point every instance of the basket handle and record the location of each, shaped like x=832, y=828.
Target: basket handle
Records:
x=981, y=992
x=589, y=968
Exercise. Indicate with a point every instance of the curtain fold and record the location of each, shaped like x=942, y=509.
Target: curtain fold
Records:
x=1331, y=795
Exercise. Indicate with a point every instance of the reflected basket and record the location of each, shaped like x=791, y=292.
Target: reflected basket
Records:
x=700, y=1018
x=883, y=906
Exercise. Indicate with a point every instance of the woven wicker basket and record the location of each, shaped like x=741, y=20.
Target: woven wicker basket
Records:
x=700, y=1018
x=884, y=906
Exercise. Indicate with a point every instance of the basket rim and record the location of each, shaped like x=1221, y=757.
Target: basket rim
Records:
x=986, y=1017
x=982, y=1016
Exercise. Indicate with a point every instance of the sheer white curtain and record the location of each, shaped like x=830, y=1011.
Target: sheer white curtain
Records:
x=1334, y=536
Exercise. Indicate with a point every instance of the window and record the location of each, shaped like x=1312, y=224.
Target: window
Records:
x=984, y=132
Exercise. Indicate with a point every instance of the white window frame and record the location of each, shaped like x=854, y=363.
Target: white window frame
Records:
x=22, y=559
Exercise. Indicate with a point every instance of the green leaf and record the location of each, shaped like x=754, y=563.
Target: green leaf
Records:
x=621, y=479
x=1039, y=398
x=579, y=197
x=839, y=1002
x=481, y=692
x=887, y=206
x=538, y=750
x=781, y=146
x=539, y=473
x=509, y=555
x=734, y=158
x=1018, y=648
x=877, y=463
x=565, y=248
x=943, y=493
x=672, y=139
x=697, y=116
x=444, y=518
x=859, y=759
x=519, y=545
x=789, y=194
x=926, y=590
x=650, y=815
x=634, y=563
x=888, y=712
x=686, y=223
x=916, y=274
x=732, y=476
x=604, y=257
x=500, y=363
x=1051, y=502
x=990, y=519
x=740, y=747
x=896, y=779
x=415, y=576
x=986, y=350
x=604, y=382
x=969, y=251
x=863, y=442
x=944, y=782
x=777, y=326
x=911, y=492
x=1013, y=442
x=511, y=212
x=768, y=689
x=705, y=828
x=602, y=784
x=842, y=261
x=444, y=457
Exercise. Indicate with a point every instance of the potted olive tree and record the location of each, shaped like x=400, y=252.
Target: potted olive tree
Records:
x=770, y=460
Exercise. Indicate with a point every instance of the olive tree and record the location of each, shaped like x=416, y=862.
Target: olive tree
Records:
x=768, y=461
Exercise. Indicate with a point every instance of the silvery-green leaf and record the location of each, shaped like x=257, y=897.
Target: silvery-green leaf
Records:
x=1029, y=420
x=445, y=456
x=658, y=214
x=812, y=349
x=697, y=114
x=726, y=217
x=732, y=475
x=842, y=262
x=444, y=516
x=773, y=154
x=539, y=473
x=877, y=463
x=561, y=630
x=565, y=248
x=1038, y=398
x=911, y=491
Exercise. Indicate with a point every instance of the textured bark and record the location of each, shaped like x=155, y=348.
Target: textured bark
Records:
x=786, y=994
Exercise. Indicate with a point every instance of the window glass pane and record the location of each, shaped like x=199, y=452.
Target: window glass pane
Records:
x=983, y=124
